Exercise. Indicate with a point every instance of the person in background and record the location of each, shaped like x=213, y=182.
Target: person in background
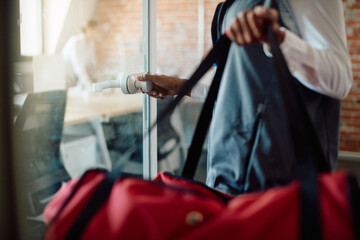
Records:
x=79, y=54
x=313, y=41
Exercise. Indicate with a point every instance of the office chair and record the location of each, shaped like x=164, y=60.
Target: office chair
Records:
x=38, y=128
x=124, y=135
x=169, y=140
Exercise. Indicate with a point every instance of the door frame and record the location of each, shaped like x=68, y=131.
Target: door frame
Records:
x=150, y=168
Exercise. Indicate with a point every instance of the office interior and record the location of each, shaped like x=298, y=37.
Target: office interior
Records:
x=53, y=132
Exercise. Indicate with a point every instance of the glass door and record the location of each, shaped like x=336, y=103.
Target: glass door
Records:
x=183, y=39
x=64, y=124
x=150, y=105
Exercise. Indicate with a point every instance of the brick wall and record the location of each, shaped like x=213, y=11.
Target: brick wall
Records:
x=176, y=36
x=177, y=33
x=177, y=44
x=350, y=112
x=121, y=24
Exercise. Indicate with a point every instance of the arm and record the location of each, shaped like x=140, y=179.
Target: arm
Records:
x=163, y=85
x=320, y=60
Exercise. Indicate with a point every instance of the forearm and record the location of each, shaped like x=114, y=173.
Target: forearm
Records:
x=324, y=71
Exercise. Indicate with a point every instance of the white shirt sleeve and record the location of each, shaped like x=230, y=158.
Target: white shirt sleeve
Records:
x=319, y=60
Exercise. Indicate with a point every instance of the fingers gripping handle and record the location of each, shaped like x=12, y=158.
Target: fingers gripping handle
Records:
x=129, y=84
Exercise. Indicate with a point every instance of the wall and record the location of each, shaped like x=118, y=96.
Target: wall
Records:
x=350, y=112
x=121, y=40
x=177, y=33
x=177, y=46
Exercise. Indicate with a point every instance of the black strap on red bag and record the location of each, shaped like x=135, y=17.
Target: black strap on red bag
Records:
x=103, y=190
x=310, y=157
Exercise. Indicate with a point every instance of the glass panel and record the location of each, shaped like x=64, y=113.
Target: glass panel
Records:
x=30, y=27
x=62, y=126
x=183, y=38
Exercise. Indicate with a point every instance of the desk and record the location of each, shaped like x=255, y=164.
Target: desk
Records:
x=101, y=106
x=97, y=108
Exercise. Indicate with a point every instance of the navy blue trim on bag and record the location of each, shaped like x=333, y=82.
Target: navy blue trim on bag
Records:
x=72, y=194
x=100, y=195
x=103, y=191
x=98, y=198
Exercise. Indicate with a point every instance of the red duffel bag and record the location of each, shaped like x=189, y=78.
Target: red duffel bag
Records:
x=132, y=208
x=173, y=208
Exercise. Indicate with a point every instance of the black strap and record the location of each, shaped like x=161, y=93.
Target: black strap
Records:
x=192, y=160
x=97, y=200
x=218, y=19
x=214, y=23
x=100, y=195
x=71, y=195
x=204, y=66
x=309, y=155
x=307, y=148
x=103, y=190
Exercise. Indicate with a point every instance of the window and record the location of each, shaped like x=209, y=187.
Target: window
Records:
x=183, y=38
x=62, y=127
x=30, y=27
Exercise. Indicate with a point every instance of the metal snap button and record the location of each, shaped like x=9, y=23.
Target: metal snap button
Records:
x=193, y=218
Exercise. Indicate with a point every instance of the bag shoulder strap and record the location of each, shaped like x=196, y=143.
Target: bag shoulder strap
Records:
x=202, y=126
x=97, y=200
x=218, y=20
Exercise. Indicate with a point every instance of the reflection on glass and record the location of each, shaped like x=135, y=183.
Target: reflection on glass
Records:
x=62, y=127
x=183, y=38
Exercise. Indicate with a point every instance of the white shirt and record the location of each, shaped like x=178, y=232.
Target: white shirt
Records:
x=79, y=56
x=320, y=59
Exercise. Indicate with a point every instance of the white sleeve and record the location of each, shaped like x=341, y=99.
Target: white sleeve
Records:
x=319, y=60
